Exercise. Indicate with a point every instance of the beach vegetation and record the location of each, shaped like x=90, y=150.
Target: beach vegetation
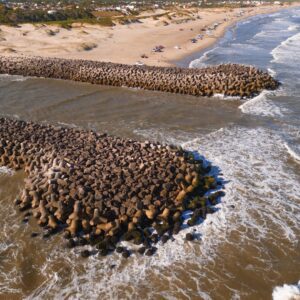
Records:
x=10, y=16
x=104, y=13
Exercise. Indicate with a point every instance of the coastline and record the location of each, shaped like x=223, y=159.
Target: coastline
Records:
x=221, y=31
x=246, y=249
x=92, y=42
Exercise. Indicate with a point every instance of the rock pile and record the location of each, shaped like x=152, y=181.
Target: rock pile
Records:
x=230, y=79
x=101, y=189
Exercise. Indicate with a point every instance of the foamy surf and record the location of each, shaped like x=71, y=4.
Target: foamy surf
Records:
x=241, y=153
x=293, y=152
x=293, y=27
x=262, y=106
x=7, y=77
x=287, y=51
x=272, y=72
x=69, y=125
x=6, y=171
x=200, y=62
x=224, y=97
x=97, y=276
x=159, y=134
x=253, y=200
x=287, y=292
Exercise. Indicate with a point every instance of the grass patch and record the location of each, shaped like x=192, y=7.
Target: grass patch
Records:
x=67, y=24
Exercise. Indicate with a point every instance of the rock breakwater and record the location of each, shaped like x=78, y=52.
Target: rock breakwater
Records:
x=101, y=189
x=229, y=79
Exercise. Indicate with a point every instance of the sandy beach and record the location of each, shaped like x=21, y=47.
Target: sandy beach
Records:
x=173, y=30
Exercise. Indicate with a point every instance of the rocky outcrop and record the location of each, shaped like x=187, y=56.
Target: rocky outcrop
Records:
x=230, y=79
x=101, y=189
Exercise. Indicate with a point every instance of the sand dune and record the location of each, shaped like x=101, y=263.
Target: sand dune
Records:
x=126, y=43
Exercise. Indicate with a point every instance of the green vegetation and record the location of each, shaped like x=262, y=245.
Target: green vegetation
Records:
x=66, y=12
x=16, y=16
x=67, y=24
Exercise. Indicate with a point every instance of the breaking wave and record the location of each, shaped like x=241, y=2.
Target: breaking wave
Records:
x=288, y=51
x=294, y=153
x=261, y=105
x=6, y=77
x=253, y=202
x=7, y=171
x=201, y=62
x=287, y=292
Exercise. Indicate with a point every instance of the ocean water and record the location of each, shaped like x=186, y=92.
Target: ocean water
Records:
x=248, y=249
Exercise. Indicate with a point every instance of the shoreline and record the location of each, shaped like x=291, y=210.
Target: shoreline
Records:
x=245, y=249
x=98, y=43
x=223, y=29
x=184, y=62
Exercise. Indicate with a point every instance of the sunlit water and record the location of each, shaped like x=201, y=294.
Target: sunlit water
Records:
x=248, y=249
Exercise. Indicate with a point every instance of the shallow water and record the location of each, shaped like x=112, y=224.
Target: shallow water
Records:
x=245, y=249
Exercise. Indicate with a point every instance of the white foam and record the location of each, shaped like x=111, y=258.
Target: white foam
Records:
x=288, y=51
x=245, y=22
x=241, y=153
x=293, y=27
x=253, y=162
x=223, y=97
x=200, y=62
x=262, y=33
x=272, y=72
x=293, y=152
x=270, y=33
x=275, y=14
x=261, y=105
x=287, y=292
x=5, y=115
x=7, y=171
x=159, y=134
x=295, y=16
x=70, y=125
x=7, y=77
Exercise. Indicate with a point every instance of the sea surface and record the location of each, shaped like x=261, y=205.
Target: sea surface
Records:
x=248, y=249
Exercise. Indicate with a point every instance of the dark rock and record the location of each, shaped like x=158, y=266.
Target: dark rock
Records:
x=164, y=239
x=46, y=235
x=154, y=238
x=103, y=252
x=150, y=251
x=120, y=249
x=71, y=243
x=189, y=237
x=67, y=235
x=25, y=220
x=101, y=189
x=142, y=250
x=85, y=253
x=82, y=241
x=125, y=253
x=197, y=82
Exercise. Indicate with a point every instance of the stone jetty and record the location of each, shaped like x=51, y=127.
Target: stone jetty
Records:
x=230, y=79
x=100, y=189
